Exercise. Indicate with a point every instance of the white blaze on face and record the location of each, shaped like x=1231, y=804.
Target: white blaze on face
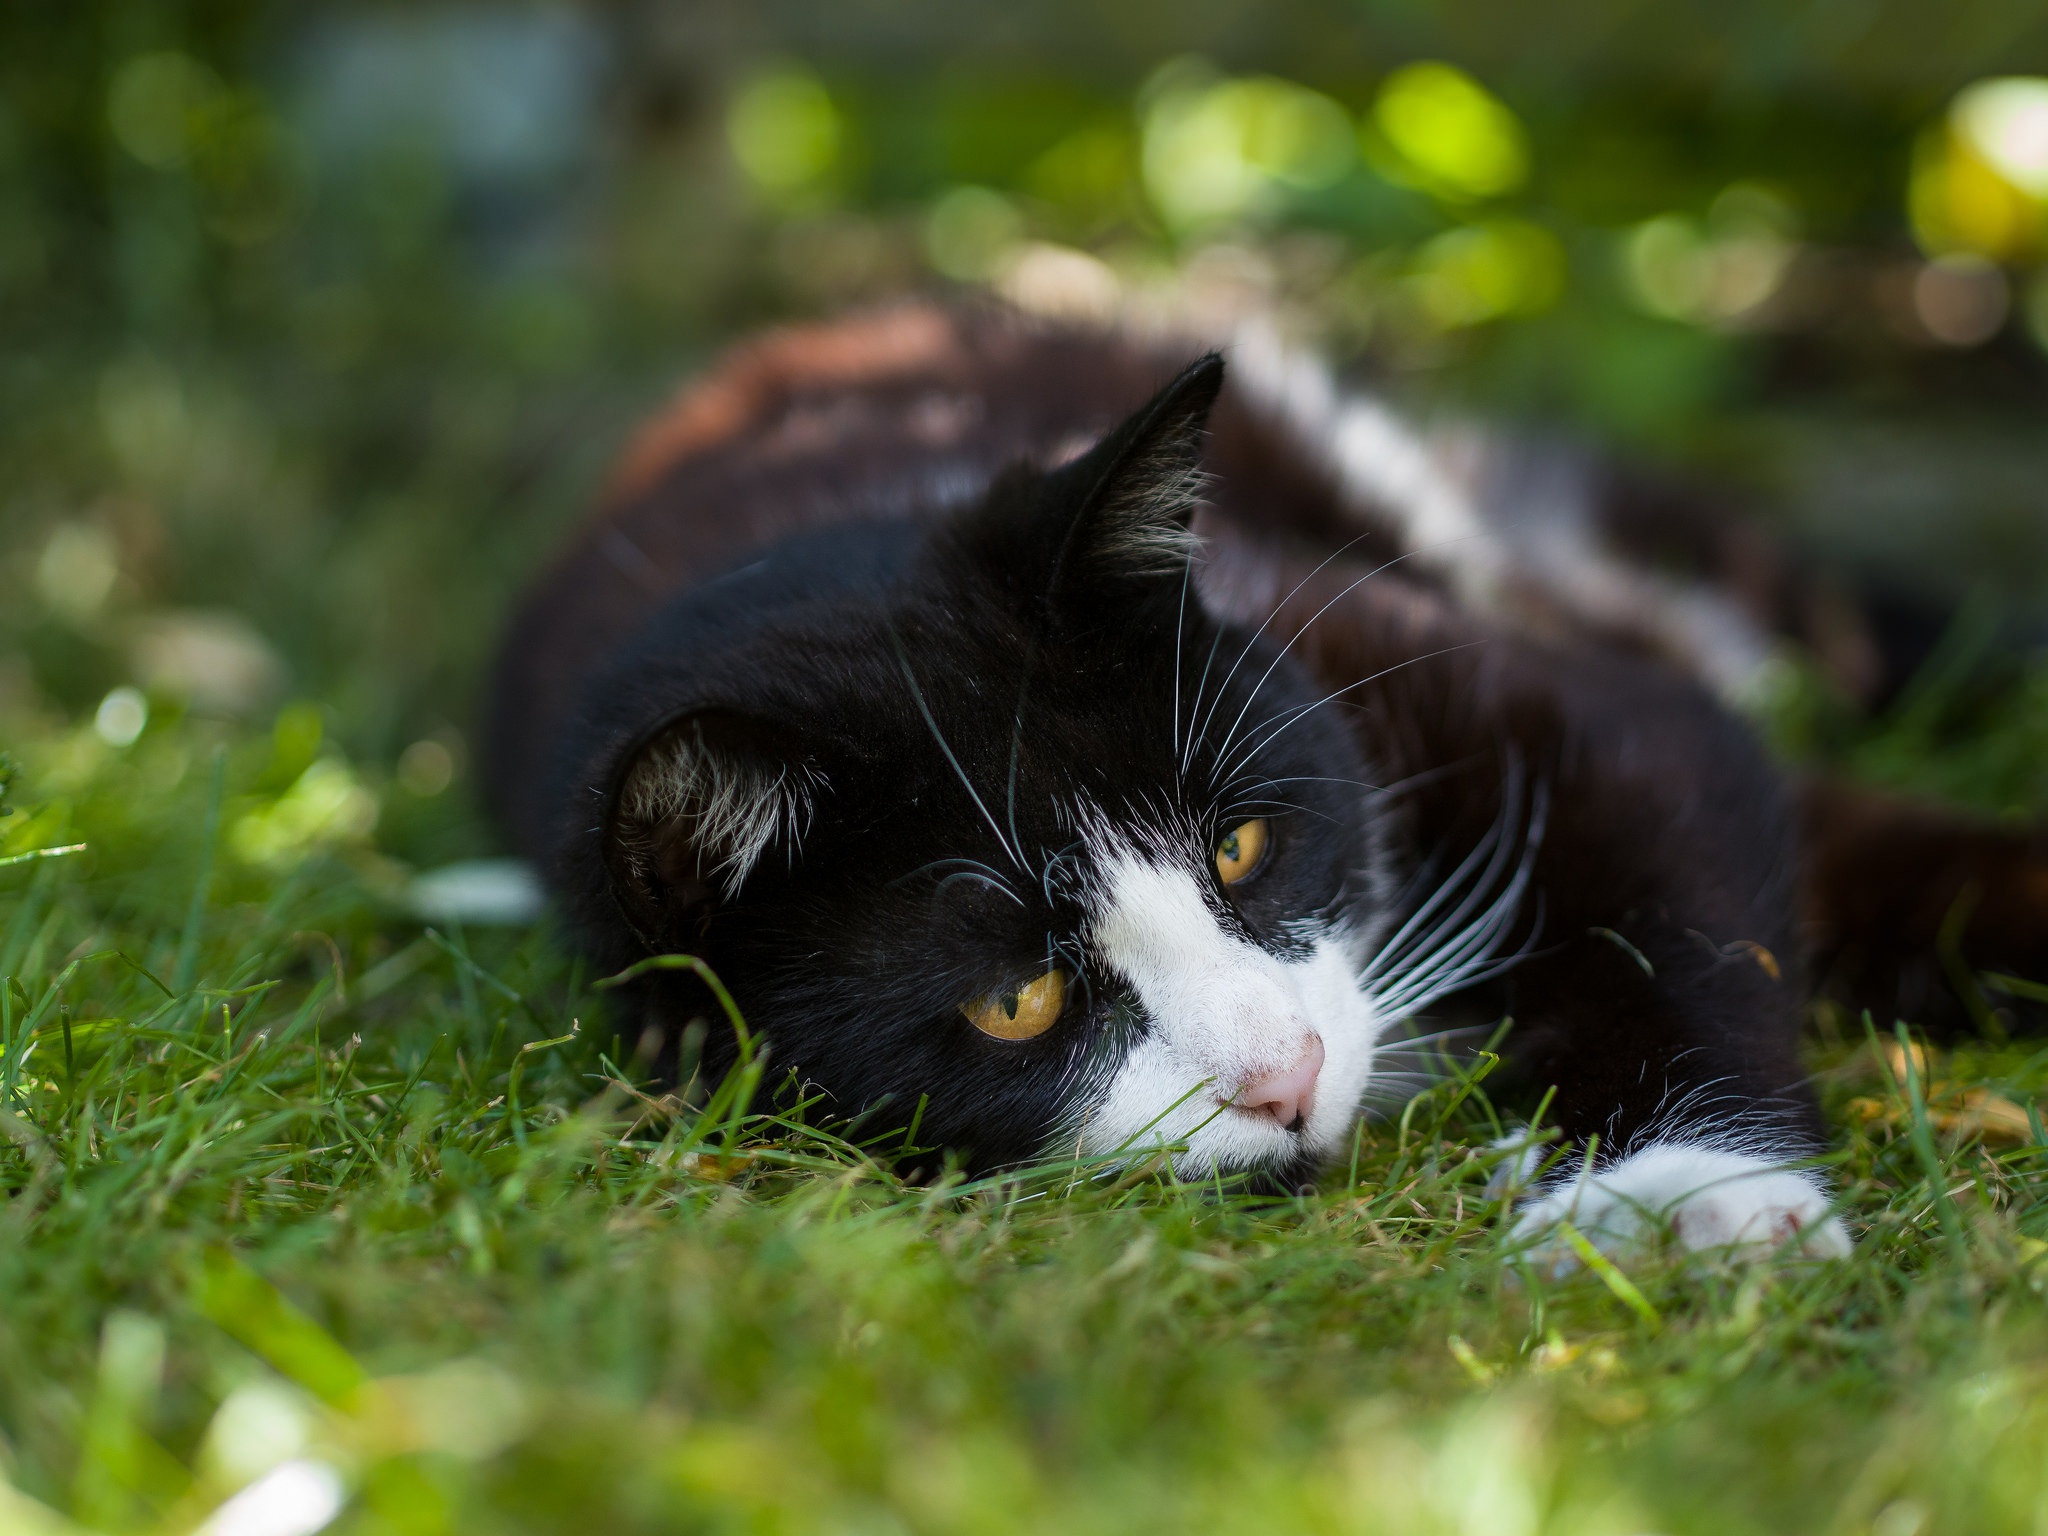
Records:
x=1222, y=1015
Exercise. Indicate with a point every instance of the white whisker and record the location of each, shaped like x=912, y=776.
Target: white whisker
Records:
x=1257, y=688
x=1453, y=940
x=924, y=709
x=1273, y=614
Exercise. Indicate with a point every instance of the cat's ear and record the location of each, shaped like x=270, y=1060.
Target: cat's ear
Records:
x=1135, y=492
x=1116, y=515
x=697, y=808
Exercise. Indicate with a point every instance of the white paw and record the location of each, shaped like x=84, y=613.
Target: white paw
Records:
x=1705, y=1198
x=1516, y=1171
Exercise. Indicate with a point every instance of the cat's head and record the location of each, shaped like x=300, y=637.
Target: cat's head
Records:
x=1013, y=837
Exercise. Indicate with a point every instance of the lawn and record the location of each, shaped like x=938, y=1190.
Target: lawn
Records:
x=309, y=1200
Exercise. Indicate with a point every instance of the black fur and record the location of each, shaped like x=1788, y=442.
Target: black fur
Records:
x=1022, y=645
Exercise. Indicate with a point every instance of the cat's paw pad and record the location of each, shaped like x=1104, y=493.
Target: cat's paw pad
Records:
x=1708, y=1200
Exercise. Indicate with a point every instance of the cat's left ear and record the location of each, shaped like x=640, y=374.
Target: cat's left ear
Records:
x=697, y=807
x=1119, y=513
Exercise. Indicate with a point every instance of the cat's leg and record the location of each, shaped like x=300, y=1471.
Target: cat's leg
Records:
x=1700, y=1197
x=1662, y=1016
x=1666, y=1036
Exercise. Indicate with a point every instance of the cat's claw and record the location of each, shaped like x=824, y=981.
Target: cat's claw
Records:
x=1706, y=1199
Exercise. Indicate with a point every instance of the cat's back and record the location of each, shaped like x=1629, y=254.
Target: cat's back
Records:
x=889, y=418
x=879, y=419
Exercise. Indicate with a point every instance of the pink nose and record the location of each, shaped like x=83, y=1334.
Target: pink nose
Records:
x=1286, y=1098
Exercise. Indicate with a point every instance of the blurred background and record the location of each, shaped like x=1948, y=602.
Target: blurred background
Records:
x=319, y=322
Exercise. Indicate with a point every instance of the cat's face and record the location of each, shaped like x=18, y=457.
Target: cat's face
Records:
x=1024, y=845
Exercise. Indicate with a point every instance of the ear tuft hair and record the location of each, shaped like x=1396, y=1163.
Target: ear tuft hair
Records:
x=1153, y=483
x=1141, y=485
x=698, y=808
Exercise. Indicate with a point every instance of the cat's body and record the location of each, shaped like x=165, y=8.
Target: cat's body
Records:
x=890, y=682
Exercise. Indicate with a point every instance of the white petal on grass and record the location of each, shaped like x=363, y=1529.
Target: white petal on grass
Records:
x=501, y=893
x=295, y=1499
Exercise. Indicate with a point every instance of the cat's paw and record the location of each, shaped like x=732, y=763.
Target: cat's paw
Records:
x=1706, y=1199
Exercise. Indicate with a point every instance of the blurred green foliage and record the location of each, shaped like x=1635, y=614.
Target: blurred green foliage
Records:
x=323, y=320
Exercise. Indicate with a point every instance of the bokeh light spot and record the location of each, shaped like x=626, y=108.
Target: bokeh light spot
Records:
x=1721, y=270
x=1958, y=202
x=261, y=1425
x=2006, y=121
x=1218, y=150
x=1456, y=136
x=1962, y=300
x=324, y=806
x=1665, y=261
x=1060, y=281
x=152, y=104
x=121, y=717
x=77, y=570
x=1488, y=271
x=214, y=659
x=784, y=130
x=426, y=768
x=969, y=233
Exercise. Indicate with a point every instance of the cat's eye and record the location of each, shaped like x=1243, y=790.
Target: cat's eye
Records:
x=1242, y=850
x=1020, y=1013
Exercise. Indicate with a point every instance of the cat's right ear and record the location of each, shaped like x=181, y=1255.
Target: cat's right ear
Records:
x=1127, y=502
x=697, y=808
x=1117, y=517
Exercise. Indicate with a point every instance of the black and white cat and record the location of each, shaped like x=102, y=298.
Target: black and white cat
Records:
x=1076, y=763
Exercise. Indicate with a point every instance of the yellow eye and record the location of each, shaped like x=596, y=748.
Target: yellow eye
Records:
x=1023, y=1013
x=1241, y=850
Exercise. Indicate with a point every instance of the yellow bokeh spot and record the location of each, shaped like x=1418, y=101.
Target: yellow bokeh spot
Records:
x=1088, y=170
x=1217, y=150
x=1488, y=271
x=1959, y=203
x=1980, y=179
x=1722, y=270
x=153, y=104
x=1451, y=135
x=784, y=130
x=324, y=806
x=969, y=233
x=2006, y=121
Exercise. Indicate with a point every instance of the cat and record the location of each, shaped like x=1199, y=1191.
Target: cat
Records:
x=1060, y=749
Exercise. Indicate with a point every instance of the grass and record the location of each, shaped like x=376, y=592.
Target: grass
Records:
x=308, y=1201
x=306, y=1210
